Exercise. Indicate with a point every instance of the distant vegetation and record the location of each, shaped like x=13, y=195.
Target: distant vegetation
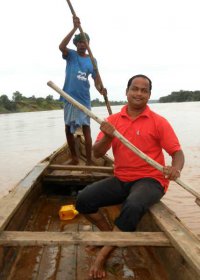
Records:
x=181, y=96
x=97, y=103
x=20, y=103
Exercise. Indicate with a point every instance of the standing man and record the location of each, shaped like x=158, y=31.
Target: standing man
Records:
x=79, y=66
x=135, y=184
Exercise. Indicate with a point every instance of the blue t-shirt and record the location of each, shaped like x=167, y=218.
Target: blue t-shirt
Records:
x=78, y=68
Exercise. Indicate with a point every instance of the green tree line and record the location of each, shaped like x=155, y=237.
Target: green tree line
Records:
x=20, y=103
x=96, y=103
x=181, y=96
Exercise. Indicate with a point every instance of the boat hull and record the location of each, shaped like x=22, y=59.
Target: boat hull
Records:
x=36, y=244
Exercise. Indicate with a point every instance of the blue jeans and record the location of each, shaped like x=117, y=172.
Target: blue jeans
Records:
x=136, y=198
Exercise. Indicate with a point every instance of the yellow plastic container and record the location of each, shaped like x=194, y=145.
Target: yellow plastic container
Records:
x=68, y=212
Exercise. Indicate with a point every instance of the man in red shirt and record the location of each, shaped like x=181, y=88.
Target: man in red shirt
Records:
x=135, y=184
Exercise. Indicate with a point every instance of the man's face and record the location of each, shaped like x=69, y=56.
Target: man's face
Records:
x=138, y=93
x=81, y=47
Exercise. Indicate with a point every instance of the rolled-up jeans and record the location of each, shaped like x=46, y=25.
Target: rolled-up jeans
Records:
x=136, y=198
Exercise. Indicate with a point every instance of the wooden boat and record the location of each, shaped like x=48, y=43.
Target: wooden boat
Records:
x=36, y=244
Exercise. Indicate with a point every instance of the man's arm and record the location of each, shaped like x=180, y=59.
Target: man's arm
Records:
x=174, y=171
x=102, y=146
x=66, y=40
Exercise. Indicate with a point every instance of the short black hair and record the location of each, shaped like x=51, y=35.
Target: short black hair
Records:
x=140, y=76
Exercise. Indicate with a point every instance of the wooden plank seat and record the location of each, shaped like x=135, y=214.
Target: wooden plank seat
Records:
x=90, y=168
x=79, y=174
x=71, y=178
x=122, y=239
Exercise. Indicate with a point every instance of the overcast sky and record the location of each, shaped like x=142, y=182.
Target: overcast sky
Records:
x=157, y=38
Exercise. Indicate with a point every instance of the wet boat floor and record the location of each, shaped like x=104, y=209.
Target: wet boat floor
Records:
x=72, y=262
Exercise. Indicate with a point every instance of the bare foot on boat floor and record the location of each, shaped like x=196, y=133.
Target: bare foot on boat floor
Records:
x=89, y=163
x=97, y=270
x=73, y=161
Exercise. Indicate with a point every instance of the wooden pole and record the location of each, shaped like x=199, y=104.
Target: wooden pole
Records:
x=128, y=144
x=92, y=59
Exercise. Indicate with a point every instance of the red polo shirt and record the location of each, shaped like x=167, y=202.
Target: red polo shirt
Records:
x=150, y=133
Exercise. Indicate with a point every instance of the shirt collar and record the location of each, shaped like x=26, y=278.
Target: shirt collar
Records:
x=145, y=113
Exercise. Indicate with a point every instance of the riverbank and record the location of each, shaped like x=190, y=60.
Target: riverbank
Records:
x=30, y=106
x=21, y=104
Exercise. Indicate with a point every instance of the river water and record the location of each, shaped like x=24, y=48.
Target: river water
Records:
x=27, y=138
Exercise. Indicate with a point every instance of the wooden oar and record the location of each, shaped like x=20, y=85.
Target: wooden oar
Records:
x=121, y=138
x=92, y=59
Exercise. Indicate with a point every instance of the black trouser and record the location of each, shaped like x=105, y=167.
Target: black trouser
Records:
x=136, y=197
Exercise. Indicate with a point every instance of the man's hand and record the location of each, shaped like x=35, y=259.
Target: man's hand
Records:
x=76, y=22
x=103, y=91
x=171, y=172
x=107, y=128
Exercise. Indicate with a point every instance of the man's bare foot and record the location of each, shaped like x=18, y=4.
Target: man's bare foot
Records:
x=97, y=270
x=73, y=161
x=89, y=162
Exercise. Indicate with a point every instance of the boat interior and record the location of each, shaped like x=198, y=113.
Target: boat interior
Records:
x=37, y=244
